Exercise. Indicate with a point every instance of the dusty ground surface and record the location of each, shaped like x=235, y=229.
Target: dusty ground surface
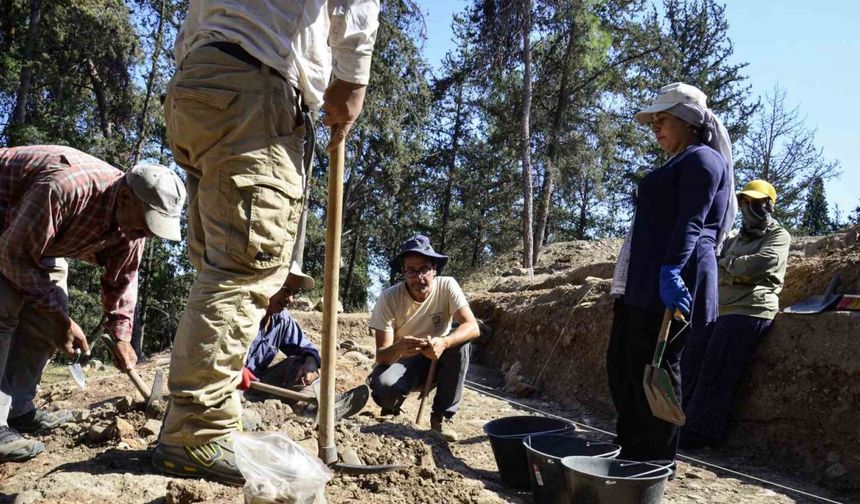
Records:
x=81, y=466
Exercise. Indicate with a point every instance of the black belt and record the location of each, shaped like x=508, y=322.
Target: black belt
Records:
x=237, y=52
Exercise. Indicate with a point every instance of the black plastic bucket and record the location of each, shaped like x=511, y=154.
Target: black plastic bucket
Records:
x=604, y=481
x=545, y=451
x=506, y=438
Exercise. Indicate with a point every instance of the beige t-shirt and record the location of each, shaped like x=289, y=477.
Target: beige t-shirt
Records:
x=396, y=312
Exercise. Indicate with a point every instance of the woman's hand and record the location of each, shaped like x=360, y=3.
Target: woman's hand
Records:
x=673, y=292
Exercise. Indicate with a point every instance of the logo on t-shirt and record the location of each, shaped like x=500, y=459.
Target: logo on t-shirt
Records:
x=437, y=320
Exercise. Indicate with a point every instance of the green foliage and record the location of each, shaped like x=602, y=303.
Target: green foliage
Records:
x=816, y=220
x=436, y=153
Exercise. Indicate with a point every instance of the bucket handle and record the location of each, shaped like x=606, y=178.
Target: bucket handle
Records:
x=650, y=471
x=532, y=433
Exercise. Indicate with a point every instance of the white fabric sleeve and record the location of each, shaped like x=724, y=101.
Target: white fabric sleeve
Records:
x=456, y=298
x=351, y=37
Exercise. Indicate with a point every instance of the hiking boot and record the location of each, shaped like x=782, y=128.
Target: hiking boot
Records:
x=14, y=448
x=214, y=461
x=38, y=419
x=444, y=426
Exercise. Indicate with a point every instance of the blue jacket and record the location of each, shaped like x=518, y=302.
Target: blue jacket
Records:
x=284, y=334
x=679, y=209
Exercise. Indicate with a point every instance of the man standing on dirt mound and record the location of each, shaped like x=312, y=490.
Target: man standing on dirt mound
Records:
x=246, y=73
x=412, y=322
x=58, y=202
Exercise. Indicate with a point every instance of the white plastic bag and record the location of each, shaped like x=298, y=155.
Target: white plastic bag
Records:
x=277, y=469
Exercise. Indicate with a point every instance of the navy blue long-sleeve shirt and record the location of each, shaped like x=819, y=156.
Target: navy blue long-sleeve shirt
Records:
x=679, y=210
x=284, y=334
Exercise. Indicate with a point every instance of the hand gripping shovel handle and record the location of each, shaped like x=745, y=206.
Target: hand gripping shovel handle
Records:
x=135, y=378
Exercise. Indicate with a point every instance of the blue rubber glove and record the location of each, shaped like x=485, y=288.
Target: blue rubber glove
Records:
x=673, y=292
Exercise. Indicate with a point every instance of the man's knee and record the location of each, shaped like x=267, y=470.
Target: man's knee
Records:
x=384, y=388
x=456, y=355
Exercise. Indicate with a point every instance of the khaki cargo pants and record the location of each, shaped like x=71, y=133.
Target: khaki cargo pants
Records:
x=238, y=132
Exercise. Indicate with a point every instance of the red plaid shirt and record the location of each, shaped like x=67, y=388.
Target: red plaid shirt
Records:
x=59, y=202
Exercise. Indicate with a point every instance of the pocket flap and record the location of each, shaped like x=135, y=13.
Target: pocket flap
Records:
x=243, y=181
x=218, y=98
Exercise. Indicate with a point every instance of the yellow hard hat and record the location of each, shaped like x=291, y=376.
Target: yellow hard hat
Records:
x=759, y=189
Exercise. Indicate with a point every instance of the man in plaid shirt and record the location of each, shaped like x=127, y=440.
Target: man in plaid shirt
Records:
x=58, y=202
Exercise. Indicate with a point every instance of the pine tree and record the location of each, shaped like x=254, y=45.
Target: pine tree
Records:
x=816, y=221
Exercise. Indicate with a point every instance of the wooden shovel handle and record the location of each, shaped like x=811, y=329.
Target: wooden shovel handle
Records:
x=431, y=375
x=662, y=338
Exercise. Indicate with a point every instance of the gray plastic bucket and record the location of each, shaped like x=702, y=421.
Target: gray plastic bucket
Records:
x=544, y=453
x=594, y=480
x=506, y=439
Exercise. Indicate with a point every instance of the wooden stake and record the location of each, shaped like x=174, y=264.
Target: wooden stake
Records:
x=334, y=211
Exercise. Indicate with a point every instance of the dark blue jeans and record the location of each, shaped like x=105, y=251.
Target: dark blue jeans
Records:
x=390, y=384
x=715, y=359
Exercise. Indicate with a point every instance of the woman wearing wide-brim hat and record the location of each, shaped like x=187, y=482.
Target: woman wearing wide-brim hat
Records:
x=684, y=210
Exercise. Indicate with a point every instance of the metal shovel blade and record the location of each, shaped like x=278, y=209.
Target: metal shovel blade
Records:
x=817, y=303
x=658, y=387
x=78, y=374
x=661, y=396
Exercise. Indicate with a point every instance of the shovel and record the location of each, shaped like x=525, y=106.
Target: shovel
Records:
x=817, y=303
x=658, y=387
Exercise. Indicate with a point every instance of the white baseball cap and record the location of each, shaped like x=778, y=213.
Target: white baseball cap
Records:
x=163, y=194
x=669, y=96
x=307, y=282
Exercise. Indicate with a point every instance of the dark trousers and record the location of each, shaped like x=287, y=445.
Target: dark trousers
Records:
x=390, y=384
x=714, y=362
x=632, y=340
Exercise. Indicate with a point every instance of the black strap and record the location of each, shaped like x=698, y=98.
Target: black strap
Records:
x=237, y=52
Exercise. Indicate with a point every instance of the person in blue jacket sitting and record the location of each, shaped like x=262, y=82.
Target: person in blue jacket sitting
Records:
x=280, y=332
x=300, y=369
x=683, y=211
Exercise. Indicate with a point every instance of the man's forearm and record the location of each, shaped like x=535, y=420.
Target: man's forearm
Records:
x=463, y=334
x=388, y=355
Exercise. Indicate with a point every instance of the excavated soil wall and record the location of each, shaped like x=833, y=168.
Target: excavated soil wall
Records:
x=800, y=401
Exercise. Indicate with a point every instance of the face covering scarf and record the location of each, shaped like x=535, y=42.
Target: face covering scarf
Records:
x=756, y=218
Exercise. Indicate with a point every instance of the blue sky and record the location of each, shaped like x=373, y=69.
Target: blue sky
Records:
x=811, y=49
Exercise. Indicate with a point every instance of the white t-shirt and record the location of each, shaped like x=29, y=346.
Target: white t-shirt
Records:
x=396, y=312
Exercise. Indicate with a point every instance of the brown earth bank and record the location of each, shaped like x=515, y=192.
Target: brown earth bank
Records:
x=799, y=407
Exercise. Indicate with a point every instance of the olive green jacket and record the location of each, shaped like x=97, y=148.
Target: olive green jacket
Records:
x=751, y=272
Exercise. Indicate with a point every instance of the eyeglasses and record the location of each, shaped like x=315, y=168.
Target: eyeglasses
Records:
x=414, y=273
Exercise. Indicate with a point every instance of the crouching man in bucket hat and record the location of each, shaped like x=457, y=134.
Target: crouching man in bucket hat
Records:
x=412, y=322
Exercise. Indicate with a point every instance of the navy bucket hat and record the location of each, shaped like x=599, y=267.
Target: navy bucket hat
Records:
x=418, y=244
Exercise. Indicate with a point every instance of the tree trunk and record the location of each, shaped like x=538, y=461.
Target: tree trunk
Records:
x=101, y=101
x=452, y=165
x=526, y=138
x=153, y=71
x=19, y=113
x=139, y=331
x=351, y=268
x=561, y=104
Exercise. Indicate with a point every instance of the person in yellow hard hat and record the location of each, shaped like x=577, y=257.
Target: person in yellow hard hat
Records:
x=751, y=273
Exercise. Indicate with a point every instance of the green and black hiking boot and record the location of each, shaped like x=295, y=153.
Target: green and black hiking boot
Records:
x=14, y=448
x=38, y=419
x=444, y=426
x=214, y=461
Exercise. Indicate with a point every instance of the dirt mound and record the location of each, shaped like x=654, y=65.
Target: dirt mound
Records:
x=801, y=401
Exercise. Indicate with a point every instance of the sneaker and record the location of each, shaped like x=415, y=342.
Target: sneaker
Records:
x=444, y=426
x=389, y=412
x=214, y=461
x=14, y=448
x=38, y=419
